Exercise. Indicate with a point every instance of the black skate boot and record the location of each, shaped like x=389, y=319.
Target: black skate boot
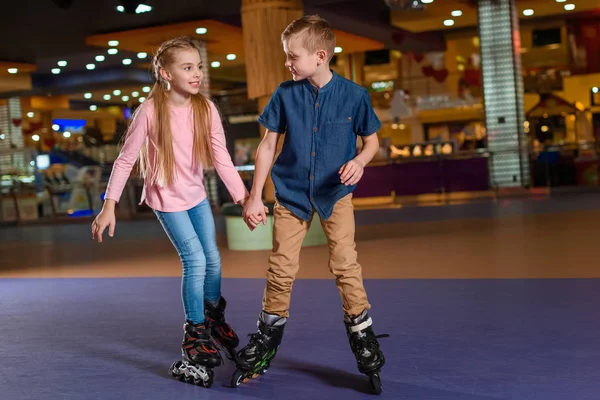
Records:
x=255, y=358
x=365, y=347
x=220, y=330
x=199, y=356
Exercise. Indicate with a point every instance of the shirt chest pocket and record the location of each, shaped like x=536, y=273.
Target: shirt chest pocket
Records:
x=339, y=130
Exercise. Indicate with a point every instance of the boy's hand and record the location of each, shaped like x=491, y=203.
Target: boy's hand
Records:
x=254, y=213
x=351, y=172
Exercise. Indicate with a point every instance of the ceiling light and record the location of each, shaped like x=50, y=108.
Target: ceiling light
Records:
x=569, y=7
x=62, y=63
x=93, y=107
x=449, y=22
x=127, y=61
x=135, y=94
x=201, y=31
x=90, y=66
x=146, y=89
x=142, y=99
x=142, y=55
x=338, y=49
x=215, y=64
x=116, y=92
x=125, y=98
x=528, y=12
x=67, y=134
x=35, y=138
x=426, y=1
x=595, y=89
x=456, y=13
x=113, y=43
x=100, y=58
x=143, y=8
x=113, y=51
x=13, y=70
x=87, y=95
x=106, y=97
x=120, y=9
x=560, y=1
x=55, y=127
x=30, y=114
x=231, y=57
x=55, y=71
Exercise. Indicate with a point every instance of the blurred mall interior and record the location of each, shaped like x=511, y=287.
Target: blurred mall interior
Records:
x=71, y=76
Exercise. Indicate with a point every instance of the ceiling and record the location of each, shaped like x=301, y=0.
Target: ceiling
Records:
x=432, y=17
x=80, y=32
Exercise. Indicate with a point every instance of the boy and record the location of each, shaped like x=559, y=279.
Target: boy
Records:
x=321, y=113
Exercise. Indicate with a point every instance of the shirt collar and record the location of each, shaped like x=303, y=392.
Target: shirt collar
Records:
x=325, y=88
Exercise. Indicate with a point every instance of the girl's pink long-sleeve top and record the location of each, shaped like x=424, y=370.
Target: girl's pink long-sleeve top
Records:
x=188, y=188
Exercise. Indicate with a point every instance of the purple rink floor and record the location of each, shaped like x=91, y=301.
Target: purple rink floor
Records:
x=450, y=339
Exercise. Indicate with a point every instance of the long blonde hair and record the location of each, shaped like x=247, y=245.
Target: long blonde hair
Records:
x=161, y=169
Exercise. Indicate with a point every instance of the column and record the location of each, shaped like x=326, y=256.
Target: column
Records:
x=503, y=92
x=263, y=21
x=11, y=133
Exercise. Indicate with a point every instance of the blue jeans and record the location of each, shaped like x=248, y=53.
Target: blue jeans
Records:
x=193, y=234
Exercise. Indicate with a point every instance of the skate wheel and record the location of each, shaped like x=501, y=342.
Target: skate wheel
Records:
x=175, y=368
x=211, y=378
x=238, y=378
x=376, y=383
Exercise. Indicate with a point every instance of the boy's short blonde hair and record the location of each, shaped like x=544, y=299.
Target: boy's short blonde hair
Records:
x=316, y=34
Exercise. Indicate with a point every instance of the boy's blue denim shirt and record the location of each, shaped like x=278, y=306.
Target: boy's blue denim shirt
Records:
x=320, y=127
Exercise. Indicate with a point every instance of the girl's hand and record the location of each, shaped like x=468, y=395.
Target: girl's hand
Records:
x=104, y=219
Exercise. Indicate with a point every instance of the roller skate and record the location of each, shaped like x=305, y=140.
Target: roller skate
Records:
x=220, y=330
x=365, y=347
x=199, y=357
x=255, y=358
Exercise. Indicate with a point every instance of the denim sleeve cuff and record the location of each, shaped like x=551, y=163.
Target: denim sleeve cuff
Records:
x=269, y=126
x=371, y=130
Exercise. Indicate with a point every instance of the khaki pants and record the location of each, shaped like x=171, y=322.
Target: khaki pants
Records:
x=288, y=234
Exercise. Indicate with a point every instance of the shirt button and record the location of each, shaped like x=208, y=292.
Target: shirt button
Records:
x=317, y=105
x=315, y=129
x=314, y=154
x=313, y=199
x=312, y=178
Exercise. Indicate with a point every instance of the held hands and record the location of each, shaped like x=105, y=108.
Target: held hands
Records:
x=106, y=218
x=351, y=172
x=254, y=212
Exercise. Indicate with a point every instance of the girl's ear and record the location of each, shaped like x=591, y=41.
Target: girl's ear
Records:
x=166, y=75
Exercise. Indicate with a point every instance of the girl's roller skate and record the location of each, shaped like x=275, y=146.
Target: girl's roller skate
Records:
x=200, y=356
x=220, y=330
x=255, y=358
x=365, y=347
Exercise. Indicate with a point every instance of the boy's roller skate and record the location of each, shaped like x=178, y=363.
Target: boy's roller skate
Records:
x=255, y=358
x=220, y=330
x=365, y=347
x=200, y=356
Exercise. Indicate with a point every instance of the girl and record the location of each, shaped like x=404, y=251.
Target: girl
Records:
x=175, y=133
